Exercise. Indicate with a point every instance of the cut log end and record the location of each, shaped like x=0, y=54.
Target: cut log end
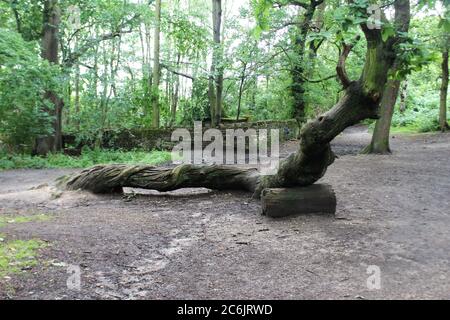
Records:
x=314, y=199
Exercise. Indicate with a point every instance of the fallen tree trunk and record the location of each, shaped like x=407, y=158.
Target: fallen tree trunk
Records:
x=360, y=101
x=318, y=198
x=112, y=178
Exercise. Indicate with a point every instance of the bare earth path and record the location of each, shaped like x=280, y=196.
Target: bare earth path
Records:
x=393, y=212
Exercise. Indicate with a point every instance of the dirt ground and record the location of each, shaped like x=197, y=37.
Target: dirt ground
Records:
x=393, y=213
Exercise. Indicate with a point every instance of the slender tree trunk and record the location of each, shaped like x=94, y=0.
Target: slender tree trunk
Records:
x=443, y=94
x=381, y=134
x=403, y=96
x=241, y=90
x=104, y=94
x=156, y=67
x=216, y=83
x=50, y=51
x=212, y=98
x=147, y=70
x=176, y=93
x=77, y=90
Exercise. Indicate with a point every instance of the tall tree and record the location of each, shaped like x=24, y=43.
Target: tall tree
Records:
x=216, y=77
x=380, y=138
x=50, y=52
x=443, y=123
x=156, y=66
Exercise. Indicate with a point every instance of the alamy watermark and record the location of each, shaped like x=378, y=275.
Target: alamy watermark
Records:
x=74, y=17
x=374, y=280
x=74, y=279
x=229, y=147
x=374, y=20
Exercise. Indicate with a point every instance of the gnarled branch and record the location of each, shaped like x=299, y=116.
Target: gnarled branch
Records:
x=340, y=69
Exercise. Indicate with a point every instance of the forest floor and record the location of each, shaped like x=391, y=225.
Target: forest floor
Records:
x=393, y=213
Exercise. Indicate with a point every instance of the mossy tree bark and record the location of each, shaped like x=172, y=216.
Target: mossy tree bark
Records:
x=380, y=138
x=443, y=123
x=381, y=134
x=360, y=101
x=50, y=52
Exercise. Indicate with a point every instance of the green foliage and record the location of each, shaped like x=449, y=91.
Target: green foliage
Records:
x=190, y=39
x=111, y=57
x=87, y=159
x=422, y=115
x=413, y=55
x=24, y=78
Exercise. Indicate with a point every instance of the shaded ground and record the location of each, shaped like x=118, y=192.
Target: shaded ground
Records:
x=393, y=212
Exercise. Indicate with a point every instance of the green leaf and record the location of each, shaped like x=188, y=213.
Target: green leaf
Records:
x=387, y=32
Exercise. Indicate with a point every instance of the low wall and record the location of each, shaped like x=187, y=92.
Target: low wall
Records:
x=160, y=139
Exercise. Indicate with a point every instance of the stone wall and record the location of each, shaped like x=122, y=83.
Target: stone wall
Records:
x=160, y=139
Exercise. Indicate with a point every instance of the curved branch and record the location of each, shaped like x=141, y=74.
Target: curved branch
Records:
x=340, y=69
x=177, y=72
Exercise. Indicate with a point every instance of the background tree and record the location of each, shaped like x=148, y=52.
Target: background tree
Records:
x=445, y=25
x=156, y=66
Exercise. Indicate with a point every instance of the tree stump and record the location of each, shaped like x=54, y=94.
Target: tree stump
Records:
x=317, y=198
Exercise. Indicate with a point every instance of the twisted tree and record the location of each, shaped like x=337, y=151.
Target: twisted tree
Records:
x=361, y=100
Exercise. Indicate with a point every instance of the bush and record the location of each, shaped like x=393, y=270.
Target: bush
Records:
x=24, y=77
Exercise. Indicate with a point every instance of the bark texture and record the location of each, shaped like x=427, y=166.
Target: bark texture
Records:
x=443, y=95
x=216, y=77
x=112, y=178
x=381, y=135
x=156, y=67
x=50, y=52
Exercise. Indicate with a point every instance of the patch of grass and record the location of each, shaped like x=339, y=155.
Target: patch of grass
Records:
x=23, y=219
x=18, y=255
x=409, y=129
x=405, y=130
x=87, y=159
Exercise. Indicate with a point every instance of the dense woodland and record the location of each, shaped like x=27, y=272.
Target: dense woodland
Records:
x=347, y=76
x=86, y=67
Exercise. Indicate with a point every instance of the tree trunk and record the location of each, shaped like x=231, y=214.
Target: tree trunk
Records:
x=212, y=98
x=216, y=83
x=380, y=138
x=156, y=67
x=241, y=90
x=50, y=51
x=176, y=93
x=298, y=68
x=381, y=134
x=403, y=96
x=77, y=96
x=443, y=95
x=360, y=101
